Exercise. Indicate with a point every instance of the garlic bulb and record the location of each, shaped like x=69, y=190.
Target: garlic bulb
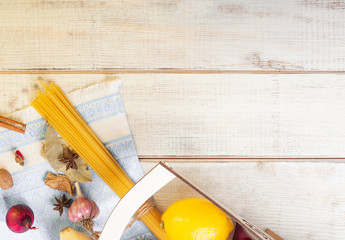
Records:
x=82, y=208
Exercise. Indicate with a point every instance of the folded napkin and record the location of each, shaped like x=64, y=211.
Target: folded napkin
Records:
x=102, y=107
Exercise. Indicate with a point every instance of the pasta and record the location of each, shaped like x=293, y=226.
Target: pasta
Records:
x=56, y=108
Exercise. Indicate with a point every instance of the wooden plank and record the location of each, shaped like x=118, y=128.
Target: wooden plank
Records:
x=296, y=201
x=217, y=115
x=237, y=116
x=202, y=159
x=172, y=34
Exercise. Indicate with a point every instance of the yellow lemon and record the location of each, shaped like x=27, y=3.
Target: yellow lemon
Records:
x=196, y=219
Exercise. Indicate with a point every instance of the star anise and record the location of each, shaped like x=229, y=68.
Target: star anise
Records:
x=70, y=160
x=60, y=204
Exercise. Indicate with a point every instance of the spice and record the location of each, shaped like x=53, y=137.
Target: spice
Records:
x=6, y=180
x=53, y=150
x=19, y=158
x=82, y=208
x=12, y=125
x=70, y=158
x=71, y=234
x=60, y=182
x=83, y=211
x=64, y=202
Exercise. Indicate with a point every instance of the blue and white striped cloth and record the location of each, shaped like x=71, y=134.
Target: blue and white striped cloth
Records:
x=102, y=108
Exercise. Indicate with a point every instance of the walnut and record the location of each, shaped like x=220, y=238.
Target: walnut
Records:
x=6, y=180
x=60, y=182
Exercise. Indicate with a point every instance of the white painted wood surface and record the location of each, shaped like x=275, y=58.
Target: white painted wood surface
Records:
x=297, y=201
x=302, y=200
x=218, y=115
x=207, y=117
x=170, y=34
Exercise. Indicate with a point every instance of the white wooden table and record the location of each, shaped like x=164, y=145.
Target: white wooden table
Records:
x=245, y=98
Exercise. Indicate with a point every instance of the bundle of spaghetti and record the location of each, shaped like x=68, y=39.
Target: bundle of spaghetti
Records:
x=60, y=113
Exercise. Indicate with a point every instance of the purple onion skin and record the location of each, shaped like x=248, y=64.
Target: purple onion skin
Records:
x=20, y=218
x=240, y=234
x=82, y=208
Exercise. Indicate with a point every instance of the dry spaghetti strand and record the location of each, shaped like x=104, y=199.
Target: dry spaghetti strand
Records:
x=56, y=108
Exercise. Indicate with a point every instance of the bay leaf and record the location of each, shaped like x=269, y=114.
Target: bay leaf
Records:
x=82, y=174
x=53, y=151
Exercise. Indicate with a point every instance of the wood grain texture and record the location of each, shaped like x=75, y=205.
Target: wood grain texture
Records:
x=212, y=118
x=218, y=115
x=296, y=201
x=172, y=34
x=234, y=115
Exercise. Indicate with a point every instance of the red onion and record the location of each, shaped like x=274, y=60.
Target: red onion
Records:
x=240, y=234
x=20, y=218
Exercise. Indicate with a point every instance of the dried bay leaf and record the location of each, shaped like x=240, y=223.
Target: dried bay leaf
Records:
x=53, y=151
x=82, y=174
